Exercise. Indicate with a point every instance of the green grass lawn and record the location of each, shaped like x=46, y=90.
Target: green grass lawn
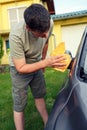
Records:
x=33, y=121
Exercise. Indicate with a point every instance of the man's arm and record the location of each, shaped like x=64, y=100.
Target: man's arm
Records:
x=22, y=67
x=44, y=53
x=45, y=50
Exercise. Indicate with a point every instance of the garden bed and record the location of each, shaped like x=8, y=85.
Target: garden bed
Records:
x=4, y=68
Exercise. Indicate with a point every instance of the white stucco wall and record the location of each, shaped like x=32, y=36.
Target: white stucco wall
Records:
x=71, y=35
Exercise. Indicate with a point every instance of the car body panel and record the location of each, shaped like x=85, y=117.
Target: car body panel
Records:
x=69, y=111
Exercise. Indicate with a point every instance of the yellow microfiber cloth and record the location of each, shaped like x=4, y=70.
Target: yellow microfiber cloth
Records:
x=60, y=49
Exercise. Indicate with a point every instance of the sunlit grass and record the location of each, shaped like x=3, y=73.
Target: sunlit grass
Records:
x=33, y=121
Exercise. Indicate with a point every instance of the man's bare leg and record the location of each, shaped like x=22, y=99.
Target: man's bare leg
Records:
x=19, y=120
x=41, y=107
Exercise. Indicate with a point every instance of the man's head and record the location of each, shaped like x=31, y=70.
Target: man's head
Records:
x=37, y=18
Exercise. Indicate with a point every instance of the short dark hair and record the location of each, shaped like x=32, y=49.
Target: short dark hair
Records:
x=37, y=18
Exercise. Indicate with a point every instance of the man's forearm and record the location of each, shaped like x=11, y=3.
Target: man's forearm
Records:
x=45, y=50
x=28, y=68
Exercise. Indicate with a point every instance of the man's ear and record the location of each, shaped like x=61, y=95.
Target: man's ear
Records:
x=27, y=27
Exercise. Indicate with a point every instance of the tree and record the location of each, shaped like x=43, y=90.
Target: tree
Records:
x=1, y=48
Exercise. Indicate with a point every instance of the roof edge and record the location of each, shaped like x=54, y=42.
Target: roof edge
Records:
x=70, y=15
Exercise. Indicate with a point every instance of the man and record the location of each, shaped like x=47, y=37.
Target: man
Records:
x=28, y=47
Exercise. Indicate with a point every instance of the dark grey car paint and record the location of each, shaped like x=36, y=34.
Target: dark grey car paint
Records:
x=69, y=111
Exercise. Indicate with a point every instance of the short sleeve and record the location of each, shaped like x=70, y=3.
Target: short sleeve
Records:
x=16, y=46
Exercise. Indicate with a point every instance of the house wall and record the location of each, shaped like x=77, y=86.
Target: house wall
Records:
x=71, y=35
x=5, y=23
x=60, y=26
x=0, y=17
x=4, y=6
x=70, y=32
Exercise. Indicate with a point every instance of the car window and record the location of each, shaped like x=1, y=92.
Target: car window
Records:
x=82, y=68
x=85, y=65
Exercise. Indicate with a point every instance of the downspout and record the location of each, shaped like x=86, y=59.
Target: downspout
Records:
x=54, y=40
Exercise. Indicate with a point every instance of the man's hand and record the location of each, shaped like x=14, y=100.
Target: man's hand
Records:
x=56, y=61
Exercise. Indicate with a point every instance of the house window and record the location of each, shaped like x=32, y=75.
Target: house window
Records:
x=16, y=15
x=7, y=46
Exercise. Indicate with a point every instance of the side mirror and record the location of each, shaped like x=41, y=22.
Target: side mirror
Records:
x=68, y=52
x=72, y=59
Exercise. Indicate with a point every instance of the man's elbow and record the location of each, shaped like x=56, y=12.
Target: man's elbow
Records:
x=20, y=69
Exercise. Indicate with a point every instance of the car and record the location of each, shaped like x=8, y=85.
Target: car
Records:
x=69, y=111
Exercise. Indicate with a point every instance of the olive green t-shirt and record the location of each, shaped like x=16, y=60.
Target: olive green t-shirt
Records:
x=23, y=44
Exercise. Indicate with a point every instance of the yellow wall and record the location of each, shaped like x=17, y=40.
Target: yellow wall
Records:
x=4, y=20
x=4, y=12
x=4, y=6
x=65, y=22
x=57, y=32
x=56, y=38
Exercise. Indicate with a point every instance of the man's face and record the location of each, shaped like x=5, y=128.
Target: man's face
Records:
x=38, y=34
